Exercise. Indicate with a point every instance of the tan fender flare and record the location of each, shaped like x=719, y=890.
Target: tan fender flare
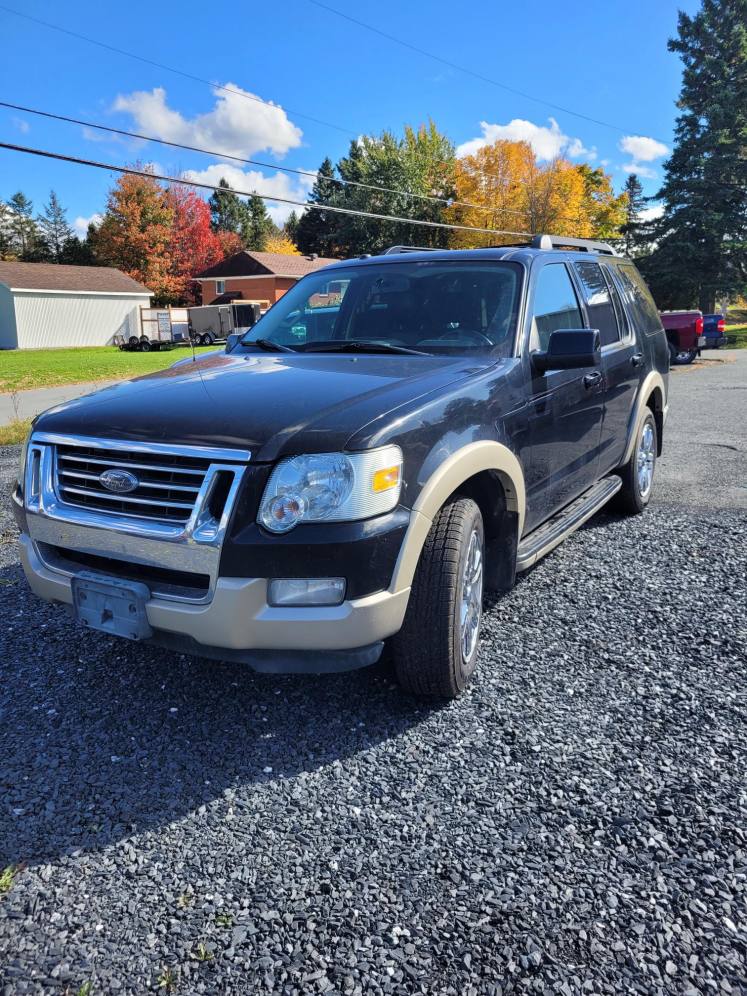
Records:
x=458, y=468
x=651, y=382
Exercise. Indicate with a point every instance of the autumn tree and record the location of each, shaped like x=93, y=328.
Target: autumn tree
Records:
x=54, y=228
x=282, y=244
x=701, y=240
x=504, y=187
x=135, y=234
x=193, y=245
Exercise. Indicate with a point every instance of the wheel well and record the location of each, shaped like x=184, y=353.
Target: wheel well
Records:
x=501, y=526
x=655, y=402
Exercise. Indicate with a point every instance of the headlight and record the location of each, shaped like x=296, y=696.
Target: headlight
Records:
x=331, y=487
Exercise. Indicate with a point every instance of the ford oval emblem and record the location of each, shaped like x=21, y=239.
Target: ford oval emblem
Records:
x=121, y=482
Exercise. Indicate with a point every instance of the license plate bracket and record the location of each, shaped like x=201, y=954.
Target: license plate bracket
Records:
x=111, y=605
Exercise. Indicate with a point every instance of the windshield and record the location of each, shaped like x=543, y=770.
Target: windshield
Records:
x=437, y=307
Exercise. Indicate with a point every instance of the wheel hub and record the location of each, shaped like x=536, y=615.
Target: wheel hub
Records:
x=645, y=460
x=471, y=605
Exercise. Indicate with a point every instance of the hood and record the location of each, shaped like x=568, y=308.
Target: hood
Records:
x=271, y=404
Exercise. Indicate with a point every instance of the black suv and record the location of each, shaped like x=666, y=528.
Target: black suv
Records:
x=396, y=434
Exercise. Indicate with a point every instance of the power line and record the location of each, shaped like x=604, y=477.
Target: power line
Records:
x=256, y=162
x=333, y=209
x=243, y=93
x=170, y=69
x=465, y=69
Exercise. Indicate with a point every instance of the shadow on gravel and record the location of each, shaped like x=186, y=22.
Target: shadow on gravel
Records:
x=100, y=737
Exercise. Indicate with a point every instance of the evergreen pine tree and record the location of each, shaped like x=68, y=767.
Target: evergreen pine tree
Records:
x=6, y=234
x=227, y=211
x=290, y=228
x=257, y=224
x=701, y=249
x=317, y=230
x=54, y=228
x=25, y=237
x=633, y=231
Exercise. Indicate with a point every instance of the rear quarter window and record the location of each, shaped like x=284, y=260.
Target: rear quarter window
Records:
x=637, y=297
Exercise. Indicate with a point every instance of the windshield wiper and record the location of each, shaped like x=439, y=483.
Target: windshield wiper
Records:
x=269, y=346
x=360, y=346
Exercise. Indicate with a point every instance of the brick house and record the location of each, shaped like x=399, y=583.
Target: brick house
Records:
x=255, y=276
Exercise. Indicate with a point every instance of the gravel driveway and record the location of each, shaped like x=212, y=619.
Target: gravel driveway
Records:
x=576, y=823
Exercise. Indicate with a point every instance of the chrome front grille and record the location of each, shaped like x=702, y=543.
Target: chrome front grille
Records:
x=181, y=496
x=167, y=490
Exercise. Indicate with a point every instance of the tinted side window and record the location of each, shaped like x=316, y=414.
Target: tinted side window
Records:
x=638, y=300
x=598, y=302
x=622, y=318
x=555, y=305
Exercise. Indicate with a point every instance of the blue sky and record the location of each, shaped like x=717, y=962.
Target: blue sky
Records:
x=606, y=61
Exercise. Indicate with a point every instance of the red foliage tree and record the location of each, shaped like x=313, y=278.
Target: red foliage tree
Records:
x=193, y=244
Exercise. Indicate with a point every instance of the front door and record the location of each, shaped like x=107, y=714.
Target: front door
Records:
x=565, y=406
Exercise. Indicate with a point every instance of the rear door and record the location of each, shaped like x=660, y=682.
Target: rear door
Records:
x=622, y=356
x=565, y=406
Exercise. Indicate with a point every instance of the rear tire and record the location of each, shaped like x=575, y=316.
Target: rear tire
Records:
x=145, y=346
x=680, y=358
x=435, y=652
x=638, y=473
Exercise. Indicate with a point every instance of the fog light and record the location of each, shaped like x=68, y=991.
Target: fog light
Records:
x=306, y=591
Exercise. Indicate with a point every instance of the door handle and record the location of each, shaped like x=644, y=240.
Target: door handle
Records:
x=592, y=379
x=637, y=359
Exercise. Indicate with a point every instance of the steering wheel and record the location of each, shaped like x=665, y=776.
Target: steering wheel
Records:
x=477, y=336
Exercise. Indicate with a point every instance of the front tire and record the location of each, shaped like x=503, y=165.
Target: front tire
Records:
x=638, y=473
x=435, y=652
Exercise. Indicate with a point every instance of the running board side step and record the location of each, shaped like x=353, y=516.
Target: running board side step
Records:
x=544, y=539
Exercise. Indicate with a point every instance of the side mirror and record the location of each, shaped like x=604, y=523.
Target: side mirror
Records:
x=232, y=339
x=569, y=349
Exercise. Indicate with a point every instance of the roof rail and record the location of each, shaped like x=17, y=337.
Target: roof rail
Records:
x=393, y=250
x=563, y=242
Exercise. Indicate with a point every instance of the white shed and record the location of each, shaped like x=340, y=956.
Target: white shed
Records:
x=43, y=305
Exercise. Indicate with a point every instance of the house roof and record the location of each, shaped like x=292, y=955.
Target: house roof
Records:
x=59, y=277
x=249, y=264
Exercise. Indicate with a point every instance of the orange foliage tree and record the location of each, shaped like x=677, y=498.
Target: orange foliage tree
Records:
x=135, y=234
x=508, y=189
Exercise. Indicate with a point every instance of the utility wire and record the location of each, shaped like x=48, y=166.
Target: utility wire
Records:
x=333, y=209
x=256, y=162
x=465, y=69
x=232, y=90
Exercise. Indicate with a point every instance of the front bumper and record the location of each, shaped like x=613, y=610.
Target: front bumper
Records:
x=238, y=624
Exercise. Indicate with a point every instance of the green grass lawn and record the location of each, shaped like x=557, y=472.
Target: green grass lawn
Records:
x=740, y=331
x=24, y=369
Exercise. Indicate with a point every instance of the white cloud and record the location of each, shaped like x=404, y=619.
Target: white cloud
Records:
x=238, y=125
x=652, y=213
x=642, y=149
x=640, y=170
x=80, y=225
x=22, y=125
x=252, y=181
x=548, y=142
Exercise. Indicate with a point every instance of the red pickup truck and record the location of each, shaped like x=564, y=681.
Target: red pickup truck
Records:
x=684, y=334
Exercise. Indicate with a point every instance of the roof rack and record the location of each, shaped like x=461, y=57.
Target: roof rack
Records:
x=564, y=241
x=536, y=242
x=393, y=250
